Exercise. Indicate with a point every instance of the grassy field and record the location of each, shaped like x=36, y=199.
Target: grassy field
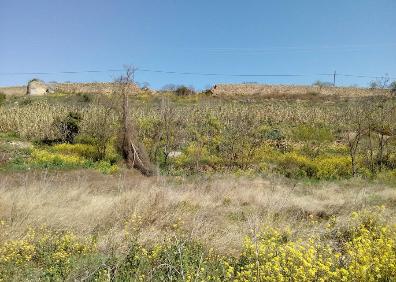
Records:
x=248, y=189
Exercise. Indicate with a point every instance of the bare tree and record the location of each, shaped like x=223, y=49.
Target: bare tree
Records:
x=132, y=150
x=355, y=129
x=383, y=128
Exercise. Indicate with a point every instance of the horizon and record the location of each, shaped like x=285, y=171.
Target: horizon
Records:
x=198, y=44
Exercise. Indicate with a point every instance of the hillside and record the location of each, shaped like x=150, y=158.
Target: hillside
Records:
x=294, y=90
x=264, y=90
x=69, y=88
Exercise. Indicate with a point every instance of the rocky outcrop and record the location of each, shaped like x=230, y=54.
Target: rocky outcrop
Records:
x=37, y=87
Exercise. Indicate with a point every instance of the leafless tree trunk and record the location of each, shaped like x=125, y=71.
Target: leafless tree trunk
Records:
x=354, y=122
x=132, y=150
x=353, y=144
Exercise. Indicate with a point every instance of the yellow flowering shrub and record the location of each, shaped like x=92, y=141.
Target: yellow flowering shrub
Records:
x=106, y=167
x=370, y=255
x=334, y=167
x=50, y=252
x=46, y=159
x=194, y=157
x=293, y=164
x=69, y=156
x=362, y=248
x=273, y=258
x=84, y=150
x=17, y=251
x=367, y=253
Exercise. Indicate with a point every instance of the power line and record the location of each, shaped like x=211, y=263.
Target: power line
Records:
x=218, y=74
x=195, y=73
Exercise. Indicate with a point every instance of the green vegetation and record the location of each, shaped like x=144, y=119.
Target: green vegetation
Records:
x=309, y=184
x=326, y=139
x=3, y=98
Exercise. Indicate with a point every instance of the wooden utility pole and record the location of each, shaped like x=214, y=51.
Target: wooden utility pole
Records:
x=334, y=78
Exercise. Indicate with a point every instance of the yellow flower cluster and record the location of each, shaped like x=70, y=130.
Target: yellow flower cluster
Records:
x=364, y=251
x=85, y=150
x=295, y=164
x=333, y=167
x=70, y=156
x=49, y=159
x=48, y=250
x=370, y=255
x=17, y=252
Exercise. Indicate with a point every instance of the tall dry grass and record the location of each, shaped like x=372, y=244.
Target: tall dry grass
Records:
x=218, y=211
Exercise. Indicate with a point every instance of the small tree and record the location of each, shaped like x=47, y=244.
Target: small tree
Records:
x=132, y=150
x=322, y=84
x=392, y=87
x=184, y=91
x=380, y=83
x=354, y=128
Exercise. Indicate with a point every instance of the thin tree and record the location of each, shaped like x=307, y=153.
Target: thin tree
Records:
x=354, y=126
x=132, y=150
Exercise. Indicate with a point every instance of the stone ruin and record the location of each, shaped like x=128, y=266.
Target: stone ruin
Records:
x=38, y=87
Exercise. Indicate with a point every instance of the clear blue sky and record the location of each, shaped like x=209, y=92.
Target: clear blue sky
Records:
x=207, y=36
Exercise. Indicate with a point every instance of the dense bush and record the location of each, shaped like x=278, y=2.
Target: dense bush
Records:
x=334, y=167
x=184, y=91
x=45, y=159
x=66, y=156
x=318, y=134
x=367, y=255
x=84, y=150
x=69, y=126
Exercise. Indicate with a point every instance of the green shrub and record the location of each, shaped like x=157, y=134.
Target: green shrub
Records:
x=184, y=91
x=83, y=150
x=69, y=126
x=313, y=93
x=3, y=98
x=335, y=167
x=106, y=167
x=26, y=101
x=194, y=157
x=85, y=98
x=274, y=134
x=318, y=134
x=295, y=166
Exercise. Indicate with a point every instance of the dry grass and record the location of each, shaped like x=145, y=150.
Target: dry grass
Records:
x=218, y=211
x=14, y=90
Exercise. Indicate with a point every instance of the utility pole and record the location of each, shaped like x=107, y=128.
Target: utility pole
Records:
x=334, y=77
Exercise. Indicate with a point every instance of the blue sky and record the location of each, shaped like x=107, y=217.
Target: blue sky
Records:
x=306, y=37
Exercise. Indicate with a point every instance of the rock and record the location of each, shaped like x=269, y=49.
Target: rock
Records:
x=20, y=144
x=38, y=87
x=174, y=154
